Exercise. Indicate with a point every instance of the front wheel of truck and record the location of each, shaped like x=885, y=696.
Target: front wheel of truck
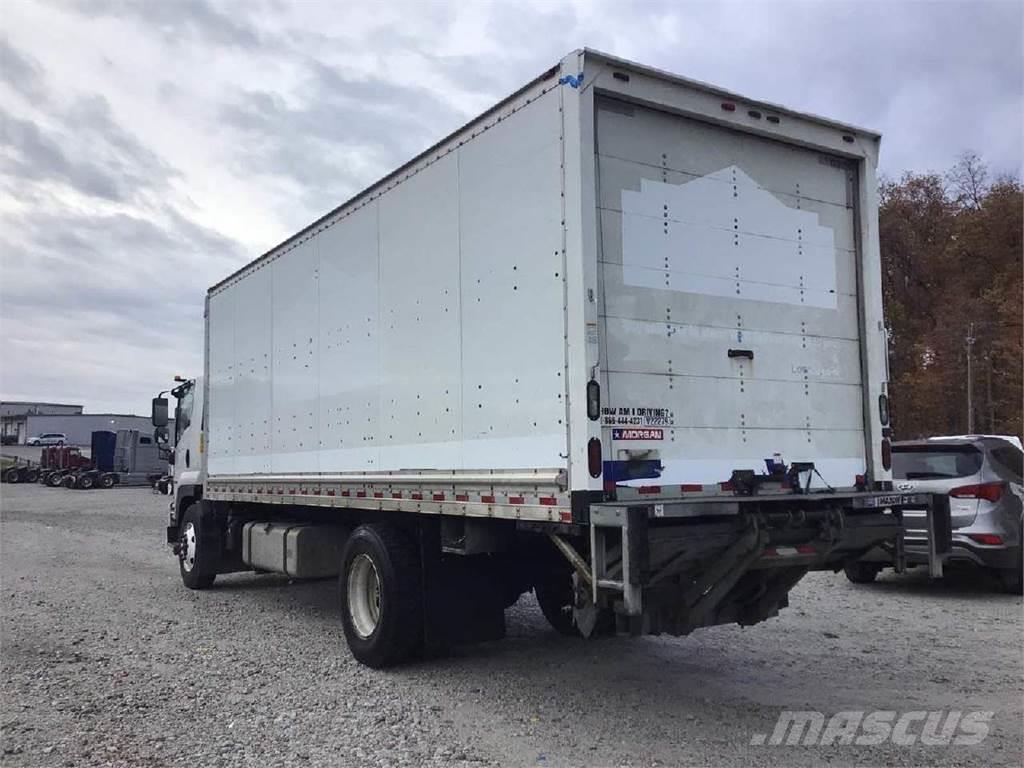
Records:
x=381, y=595
x=197, y=550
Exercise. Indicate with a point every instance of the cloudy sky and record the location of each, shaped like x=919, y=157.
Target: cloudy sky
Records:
x=147, y=149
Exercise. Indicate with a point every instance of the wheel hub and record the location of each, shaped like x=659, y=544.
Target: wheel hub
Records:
x=187, y=547
x=363, y=595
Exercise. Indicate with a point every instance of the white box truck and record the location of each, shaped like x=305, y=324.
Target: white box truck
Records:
x=618, y=340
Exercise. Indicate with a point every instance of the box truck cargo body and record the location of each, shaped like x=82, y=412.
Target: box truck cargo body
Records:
x=618, y=328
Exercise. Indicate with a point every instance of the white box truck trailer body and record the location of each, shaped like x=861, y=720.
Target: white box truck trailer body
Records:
x=555, y=351
x=711, y=261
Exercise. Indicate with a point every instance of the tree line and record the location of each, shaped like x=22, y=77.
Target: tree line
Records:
x=953, y=282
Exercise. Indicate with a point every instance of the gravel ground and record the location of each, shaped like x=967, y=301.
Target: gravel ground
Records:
x=108, y=660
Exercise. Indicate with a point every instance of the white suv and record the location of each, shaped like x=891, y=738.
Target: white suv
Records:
x=48, y=438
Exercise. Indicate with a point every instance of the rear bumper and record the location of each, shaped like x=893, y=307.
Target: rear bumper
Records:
x=964, y=550
x=676, y=565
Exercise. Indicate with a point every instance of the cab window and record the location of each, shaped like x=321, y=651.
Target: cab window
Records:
x=183, y=413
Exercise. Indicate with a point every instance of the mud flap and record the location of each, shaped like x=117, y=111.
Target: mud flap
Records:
x=940, y=533
x=462, y=597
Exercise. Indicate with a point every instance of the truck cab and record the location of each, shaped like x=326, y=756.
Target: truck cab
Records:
x=188, y=470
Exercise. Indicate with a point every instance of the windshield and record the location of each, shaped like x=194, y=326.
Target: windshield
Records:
x=183, y=416
x=922, y=462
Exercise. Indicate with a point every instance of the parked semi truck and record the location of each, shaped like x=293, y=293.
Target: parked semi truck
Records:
x=618, y=341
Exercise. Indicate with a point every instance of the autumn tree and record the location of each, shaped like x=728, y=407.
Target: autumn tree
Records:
x=953, y=281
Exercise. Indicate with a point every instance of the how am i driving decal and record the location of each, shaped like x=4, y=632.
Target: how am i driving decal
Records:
x=637, y=422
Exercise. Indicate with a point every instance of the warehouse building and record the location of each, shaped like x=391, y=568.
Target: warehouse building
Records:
x=14, y=415
x=79, y=427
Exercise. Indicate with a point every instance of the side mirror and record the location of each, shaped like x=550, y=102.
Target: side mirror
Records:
x=160, y=436
x=160, y=418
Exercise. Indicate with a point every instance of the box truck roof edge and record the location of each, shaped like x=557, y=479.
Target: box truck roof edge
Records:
x=587, y=53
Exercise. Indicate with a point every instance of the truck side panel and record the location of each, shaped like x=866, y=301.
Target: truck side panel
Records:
x=422, y=328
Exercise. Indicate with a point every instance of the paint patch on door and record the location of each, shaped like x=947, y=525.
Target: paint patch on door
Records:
x=725, y=235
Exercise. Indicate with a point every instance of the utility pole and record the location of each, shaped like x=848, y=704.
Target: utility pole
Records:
x=970, y=381
x=991, y=405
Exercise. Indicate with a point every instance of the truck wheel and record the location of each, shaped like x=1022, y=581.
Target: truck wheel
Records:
x=106, y=481
x=32, y=476
x=862, y=573
x=554, y=594
x=381, y=595
x=85, y=482
x=54, y=480
x=197, y=553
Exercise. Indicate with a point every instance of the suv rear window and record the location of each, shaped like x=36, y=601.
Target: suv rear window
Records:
x=924, y=462
x=1010, y=459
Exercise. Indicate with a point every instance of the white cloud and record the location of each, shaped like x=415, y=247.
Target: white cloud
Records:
x=148, y=149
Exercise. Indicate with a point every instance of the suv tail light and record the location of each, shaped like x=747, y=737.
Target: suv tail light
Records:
x=990, y=539
x=986, y=491
x=886, y=454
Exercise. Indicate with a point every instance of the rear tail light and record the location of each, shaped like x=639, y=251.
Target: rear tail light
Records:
x=593, y=400
x=883, y=409
x=986, y=491
x=986, y=538
x=594, y=457
x=886, y=455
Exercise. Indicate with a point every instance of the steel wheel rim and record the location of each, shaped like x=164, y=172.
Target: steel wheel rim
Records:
x=363, y=595
x=188, y=548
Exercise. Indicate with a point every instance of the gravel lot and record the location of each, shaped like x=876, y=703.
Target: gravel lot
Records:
x=108, y=660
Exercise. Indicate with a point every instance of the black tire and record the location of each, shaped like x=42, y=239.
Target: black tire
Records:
x=1012, y=579
x=54, y=480
x=198, y=551
x=12, y=475
x=32, y=476
x=85, y=482
x=555, y=597
x=862, y=573
x=106, y=481
x=397, y=629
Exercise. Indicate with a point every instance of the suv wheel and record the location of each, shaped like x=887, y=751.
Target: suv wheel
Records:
x=1012, y=579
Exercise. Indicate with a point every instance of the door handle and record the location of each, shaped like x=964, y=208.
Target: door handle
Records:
x=187, y=457
x=747, y=353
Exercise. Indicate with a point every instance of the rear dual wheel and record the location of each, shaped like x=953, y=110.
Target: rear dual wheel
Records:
x=381, y=595
x=862, y=573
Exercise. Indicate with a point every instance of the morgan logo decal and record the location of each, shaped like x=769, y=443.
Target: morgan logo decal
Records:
x=638, y=434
